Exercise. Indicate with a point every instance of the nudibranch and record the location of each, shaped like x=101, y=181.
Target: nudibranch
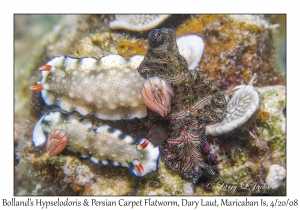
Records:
x=240, y=108
x=104, y=145
x=195, y=101
x=107, y=88
x=191, y=47
x=137, y=22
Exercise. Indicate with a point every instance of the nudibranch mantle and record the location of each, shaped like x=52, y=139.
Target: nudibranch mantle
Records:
x=104, y=145
x=240, y=108
x=107, y=88
x=191, y=47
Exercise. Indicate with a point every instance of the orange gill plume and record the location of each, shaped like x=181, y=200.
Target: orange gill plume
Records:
x=156, y=94
x=57, y=142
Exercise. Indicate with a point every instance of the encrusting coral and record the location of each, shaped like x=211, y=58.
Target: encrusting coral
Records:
x=127, y=48
x=137, y=22
x=275, y=176
x=235, y=49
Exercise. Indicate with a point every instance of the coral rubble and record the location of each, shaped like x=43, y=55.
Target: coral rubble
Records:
x=275, y=176
x=137, y=22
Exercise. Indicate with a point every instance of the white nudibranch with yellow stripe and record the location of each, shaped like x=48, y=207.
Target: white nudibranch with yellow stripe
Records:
x=104, y=145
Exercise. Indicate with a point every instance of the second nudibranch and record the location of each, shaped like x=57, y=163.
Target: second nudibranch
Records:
x=104, y=144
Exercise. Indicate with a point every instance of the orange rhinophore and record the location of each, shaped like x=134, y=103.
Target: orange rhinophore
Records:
x=37, y=87
x=144, y=144
x=57, y=142
x=45, y=67
x=140, y=168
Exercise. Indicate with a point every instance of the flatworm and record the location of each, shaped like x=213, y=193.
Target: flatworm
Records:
x=196, y=100
x=104, y=145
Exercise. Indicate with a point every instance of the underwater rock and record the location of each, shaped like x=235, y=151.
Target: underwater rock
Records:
x=275, y=176
x=236, y=48
x=55, y=175
x=127, y=48
x=245, y=159
x=273, y=102
x=257, y=20
x=190, y=46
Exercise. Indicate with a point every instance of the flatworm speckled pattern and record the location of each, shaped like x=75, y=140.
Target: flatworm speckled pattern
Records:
x=196, y=100
x=104, y=145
